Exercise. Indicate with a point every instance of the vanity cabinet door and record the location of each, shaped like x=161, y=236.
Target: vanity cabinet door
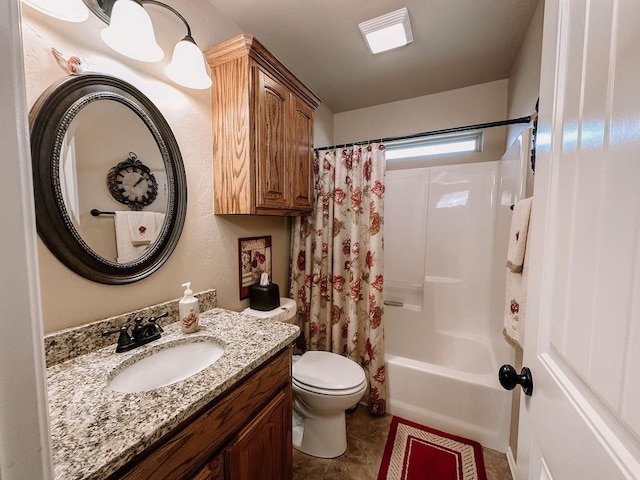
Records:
x=247, y=417
x=263, y=449
x=214, y=470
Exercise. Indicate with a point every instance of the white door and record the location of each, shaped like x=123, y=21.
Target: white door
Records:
x=583, y=328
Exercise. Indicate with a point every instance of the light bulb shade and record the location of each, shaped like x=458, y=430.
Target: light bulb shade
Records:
x=67, y=10
x=130, y=32
x=187, y=67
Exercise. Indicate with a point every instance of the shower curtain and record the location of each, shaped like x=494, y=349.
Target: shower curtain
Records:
x=337, y=262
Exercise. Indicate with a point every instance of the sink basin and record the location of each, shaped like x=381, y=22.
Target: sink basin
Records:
x=166, y=366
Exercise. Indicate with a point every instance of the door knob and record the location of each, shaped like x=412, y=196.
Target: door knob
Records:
x=509, y=378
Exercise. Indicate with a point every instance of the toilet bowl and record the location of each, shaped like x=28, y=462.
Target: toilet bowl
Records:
x=324, y=386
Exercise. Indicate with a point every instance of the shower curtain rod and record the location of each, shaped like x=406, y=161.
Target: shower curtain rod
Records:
x=435, y=132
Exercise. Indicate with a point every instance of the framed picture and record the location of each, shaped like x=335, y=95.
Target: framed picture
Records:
x=254, y=258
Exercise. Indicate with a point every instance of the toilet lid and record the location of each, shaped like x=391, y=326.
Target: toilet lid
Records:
x=327, y=371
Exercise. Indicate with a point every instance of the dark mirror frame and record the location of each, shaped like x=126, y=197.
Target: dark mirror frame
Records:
x=49, y=120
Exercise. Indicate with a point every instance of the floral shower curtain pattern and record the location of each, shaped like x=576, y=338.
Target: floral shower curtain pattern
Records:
x=337, y=262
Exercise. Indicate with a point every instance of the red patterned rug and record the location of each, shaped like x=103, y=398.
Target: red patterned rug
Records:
x=416, y=452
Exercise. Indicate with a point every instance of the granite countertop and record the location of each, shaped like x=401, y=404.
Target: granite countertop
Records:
x=95, y=430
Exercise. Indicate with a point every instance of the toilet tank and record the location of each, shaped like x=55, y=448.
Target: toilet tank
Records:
x=286, y=312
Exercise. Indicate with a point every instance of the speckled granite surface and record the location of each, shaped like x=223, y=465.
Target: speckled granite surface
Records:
x=96, y=430
x=72, y=342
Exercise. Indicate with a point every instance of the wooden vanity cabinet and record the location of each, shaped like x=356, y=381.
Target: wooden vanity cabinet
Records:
x=262, y=132
x=251, y=455
x=244, y=435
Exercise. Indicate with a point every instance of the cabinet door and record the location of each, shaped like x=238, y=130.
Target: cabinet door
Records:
x=272, y=178
x=263, y=450
x=301, y=160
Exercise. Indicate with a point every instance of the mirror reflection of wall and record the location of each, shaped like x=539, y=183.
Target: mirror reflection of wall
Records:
x=69, y=177
x=100, y=136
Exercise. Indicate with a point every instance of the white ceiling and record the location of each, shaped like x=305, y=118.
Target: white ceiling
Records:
x=456, y=43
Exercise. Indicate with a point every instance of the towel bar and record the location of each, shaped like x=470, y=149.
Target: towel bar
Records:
x=393, y=303
x=96, y=213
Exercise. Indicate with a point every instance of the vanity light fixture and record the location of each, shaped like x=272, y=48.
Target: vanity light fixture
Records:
x=130, y=33
x=388, y=31
x=67, y=10
x=187, y=65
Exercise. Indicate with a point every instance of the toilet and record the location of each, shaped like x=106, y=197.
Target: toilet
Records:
x=324, y=386
x=286, y=312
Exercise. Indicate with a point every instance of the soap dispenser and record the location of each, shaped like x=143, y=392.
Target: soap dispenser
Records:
x=189, y=310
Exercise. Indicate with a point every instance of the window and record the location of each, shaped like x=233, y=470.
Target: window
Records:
x=434, y=145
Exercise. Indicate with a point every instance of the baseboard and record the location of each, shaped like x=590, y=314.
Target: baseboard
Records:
x=512, y=462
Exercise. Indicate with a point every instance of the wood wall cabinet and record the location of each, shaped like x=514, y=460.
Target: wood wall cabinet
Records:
x=262, y=132
x=244, y=435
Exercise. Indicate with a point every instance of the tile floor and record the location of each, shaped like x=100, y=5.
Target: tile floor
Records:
x=366, y=438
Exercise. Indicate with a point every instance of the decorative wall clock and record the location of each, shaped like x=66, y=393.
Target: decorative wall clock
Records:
x=132, y=183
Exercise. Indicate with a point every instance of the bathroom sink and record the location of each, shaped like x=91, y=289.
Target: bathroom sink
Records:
x=166, y=366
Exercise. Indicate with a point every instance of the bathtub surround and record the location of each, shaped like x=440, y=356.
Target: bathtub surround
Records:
x=337, y=262
x=414, y=451
x=443, y=241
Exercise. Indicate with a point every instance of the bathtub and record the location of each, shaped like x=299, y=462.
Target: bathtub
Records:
x=444, y=294
x=453, y=388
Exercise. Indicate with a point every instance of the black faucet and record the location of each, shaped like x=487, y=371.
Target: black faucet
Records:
x=140, y=335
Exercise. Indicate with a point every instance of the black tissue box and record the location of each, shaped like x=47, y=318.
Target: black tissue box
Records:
x=264, y=297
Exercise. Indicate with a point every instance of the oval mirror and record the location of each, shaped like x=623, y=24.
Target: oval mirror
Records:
x=109, y=182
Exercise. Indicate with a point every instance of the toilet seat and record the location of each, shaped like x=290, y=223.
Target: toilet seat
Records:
x=328, y=374
x=332, y=392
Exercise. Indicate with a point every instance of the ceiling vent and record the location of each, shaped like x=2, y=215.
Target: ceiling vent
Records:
x=388, y=31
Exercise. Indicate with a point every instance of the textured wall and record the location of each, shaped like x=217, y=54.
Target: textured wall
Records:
x=207, y=254
x=524, y=88
x=524, y=80
x=323, y=127
x=465, y=106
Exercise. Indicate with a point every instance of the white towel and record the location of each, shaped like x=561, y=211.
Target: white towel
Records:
x=159, y=223
x=515, y=308
x=516, y=290
x=518, y=235
x=128, y=251
x=142, y=227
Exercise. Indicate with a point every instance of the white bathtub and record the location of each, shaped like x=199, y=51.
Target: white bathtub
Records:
x=457, y=391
